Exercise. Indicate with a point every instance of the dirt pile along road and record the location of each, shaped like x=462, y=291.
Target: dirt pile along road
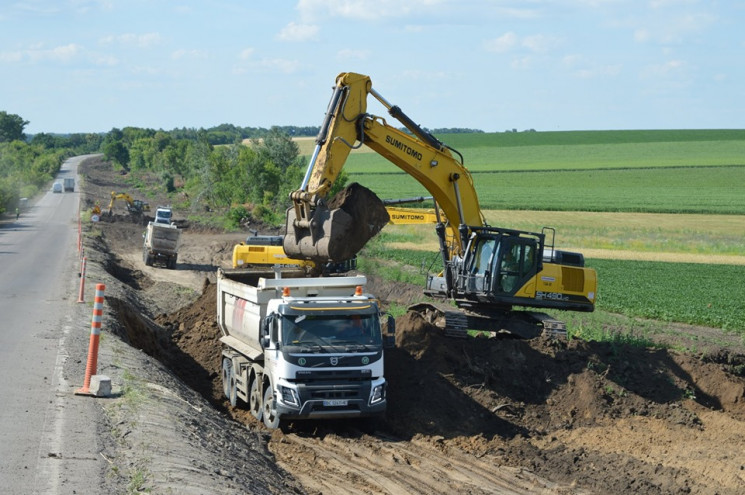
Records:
x=465, y=416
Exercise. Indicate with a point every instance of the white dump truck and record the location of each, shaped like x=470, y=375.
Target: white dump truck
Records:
x=301, y=348
x=69, y=183
x=161, y=240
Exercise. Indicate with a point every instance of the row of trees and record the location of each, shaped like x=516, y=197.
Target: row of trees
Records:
x=27, y=166
x=209, y=168
x=238, y=180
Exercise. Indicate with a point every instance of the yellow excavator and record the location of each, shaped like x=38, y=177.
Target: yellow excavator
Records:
x=264, y=251
x=487, y=271
x=134, y=206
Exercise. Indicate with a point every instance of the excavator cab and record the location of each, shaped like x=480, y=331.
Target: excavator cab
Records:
x=498, y=262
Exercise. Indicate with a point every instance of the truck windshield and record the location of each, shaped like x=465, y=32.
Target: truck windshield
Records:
x=334, y=330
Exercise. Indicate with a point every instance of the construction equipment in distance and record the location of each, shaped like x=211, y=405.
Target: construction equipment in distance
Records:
x=487, y=271
x=134, y=206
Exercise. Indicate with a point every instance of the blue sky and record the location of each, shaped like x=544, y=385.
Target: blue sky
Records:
x=92, y=65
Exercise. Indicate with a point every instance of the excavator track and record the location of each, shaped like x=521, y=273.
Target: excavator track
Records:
x=520, y=324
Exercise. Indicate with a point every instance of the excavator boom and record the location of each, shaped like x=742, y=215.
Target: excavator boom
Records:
x=317, y=232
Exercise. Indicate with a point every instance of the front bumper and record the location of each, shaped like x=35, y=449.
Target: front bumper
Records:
x=330, y=400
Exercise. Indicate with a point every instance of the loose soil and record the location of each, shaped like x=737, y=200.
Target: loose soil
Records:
x=465, y=415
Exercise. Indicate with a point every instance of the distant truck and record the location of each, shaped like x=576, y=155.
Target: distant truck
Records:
x=161, y=240
x=69, y=183
x=301, y=348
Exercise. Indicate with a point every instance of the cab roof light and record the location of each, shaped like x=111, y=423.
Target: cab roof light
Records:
x=358, y=291
x=285, y=292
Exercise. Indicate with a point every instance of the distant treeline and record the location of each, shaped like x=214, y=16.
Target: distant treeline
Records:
x=201, y=167
x=228, y=133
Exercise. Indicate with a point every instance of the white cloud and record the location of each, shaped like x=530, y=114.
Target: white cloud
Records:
x=298, y=32
x=509, y=41
x=370, y=10
x=280, y=65
x=580, y=67
x=246, y=53
x=599, y=71
x=348, y=54
x=271, y=65
x=9, y=57
x=673, y=27
x=107, y=60
x=146, y=40
x=189, y=54
x=503, y=44
x=539, y=42
x=37, y=53
x=522, y=63
x=669, y=68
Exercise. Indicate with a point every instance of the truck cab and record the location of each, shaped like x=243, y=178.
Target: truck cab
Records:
x=163, y=214
x=328, y=361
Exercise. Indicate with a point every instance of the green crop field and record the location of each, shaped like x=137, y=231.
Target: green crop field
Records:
x=661, y=190
x=645, y=171
x=679, y=194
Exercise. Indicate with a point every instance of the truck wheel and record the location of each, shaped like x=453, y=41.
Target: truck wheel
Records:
x=229, y=386
x=227, y=372
x=254, y=399
x=271, y=419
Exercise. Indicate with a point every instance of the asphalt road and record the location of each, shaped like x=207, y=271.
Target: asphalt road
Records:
x=48, y=441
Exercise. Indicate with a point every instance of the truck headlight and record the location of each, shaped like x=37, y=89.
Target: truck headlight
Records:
x=289, y=396
x=377, y=394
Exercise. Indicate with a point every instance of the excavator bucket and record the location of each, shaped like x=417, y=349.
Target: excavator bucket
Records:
x=338, y=231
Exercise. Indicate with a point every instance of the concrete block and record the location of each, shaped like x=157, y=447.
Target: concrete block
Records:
x=100, y=386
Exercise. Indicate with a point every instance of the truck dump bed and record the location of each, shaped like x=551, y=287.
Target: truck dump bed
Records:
x=164, y=238
x=242, y=298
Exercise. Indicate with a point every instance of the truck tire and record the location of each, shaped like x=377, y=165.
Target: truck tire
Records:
x=228, y=382
x=227, y=367
x=271, y=419
x=255, y=403
x=172, y=262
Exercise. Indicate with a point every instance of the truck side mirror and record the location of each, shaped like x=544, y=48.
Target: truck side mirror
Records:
x=264, y=337
x=389, y=339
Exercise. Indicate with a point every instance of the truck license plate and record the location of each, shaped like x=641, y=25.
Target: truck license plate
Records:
x=335, y=402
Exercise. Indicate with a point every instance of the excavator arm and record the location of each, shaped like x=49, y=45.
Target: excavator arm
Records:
x=317, y=232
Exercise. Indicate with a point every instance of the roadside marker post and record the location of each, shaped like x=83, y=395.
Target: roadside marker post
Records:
x=92, y=364
x=82, y=281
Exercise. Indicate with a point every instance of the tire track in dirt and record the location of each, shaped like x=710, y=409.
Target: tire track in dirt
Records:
x=385, y=465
